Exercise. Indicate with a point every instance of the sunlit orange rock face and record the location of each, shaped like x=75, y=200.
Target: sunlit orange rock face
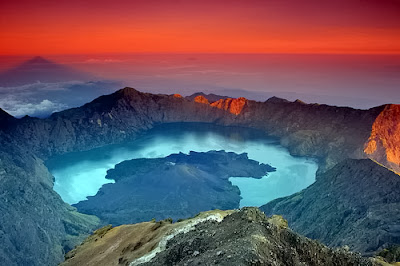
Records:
x=235, y=106
x=201, y=99
x=384, y=143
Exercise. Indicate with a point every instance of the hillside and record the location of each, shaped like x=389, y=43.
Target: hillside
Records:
x=356, y=203
x=245, y=237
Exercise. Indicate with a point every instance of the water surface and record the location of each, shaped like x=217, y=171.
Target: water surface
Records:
x=81, y=174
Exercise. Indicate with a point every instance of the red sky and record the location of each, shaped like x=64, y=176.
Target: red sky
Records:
x=208, y=26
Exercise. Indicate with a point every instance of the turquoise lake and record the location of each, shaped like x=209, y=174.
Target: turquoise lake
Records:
x=81, y=174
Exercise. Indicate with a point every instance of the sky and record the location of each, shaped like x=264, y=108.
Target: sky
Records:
x=341, y=52
x=209, y=26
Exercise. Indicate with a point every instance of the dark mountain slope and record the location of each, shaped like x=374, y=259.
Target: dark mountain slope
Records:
x=110, y=119
x=36, y=226
x=356, y=203
x=6, y=120
x=329, y=133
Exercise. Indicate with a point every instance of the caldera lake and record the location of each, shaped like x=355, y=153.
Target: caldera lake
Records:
x=81, y=174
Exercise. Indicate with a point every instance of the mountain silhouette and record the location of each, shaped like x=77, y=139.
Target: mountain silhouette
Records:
x=39, y=69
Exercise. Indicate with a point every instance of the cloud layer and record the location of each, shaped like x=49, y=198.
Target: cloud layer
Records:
x=42, y=99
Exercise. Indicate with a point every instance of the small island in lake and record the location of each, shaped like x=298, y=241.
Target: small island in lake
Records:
x=177, y=186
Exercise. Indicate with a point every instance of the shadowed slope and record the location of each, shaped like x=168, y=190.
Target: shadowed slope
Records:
x=356, y=203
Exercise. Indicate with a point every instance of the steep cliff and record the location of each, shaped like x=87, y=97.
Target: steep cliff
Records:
x=326, y=132
x=356, y=203
x=384, y=143
x=36, y=226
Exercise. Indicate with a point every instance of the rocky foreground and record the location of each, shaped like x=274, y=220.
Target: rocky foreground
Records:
x=239, y=237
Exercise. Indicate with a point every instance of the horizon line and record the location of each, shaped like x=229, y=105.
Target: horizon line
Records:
x=202, y=53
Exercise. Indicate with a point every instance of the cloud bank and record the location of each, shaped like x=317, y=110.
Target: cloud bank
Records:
x=42, y=99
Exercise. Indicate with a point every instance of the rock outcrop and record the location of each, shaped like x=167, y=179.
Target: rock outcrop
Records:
x=245, y=237
x=177, y=186
x=234, y=106
x=356, y=203
x=384, y=143
x=177, y=95
x=201, y=99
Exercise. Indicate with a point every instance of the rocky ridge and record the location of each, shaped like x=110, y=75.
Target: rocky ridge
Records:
x=325, y=132
x=328, y=133
x=240, y=237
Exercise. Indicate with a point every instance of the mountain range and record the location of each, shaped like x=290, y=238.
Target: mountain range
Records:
x=341, y=139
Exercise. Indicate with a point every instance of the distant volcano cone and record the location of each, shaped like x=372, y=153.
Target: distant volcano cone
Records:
x=39, y=69
x=38, y=60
